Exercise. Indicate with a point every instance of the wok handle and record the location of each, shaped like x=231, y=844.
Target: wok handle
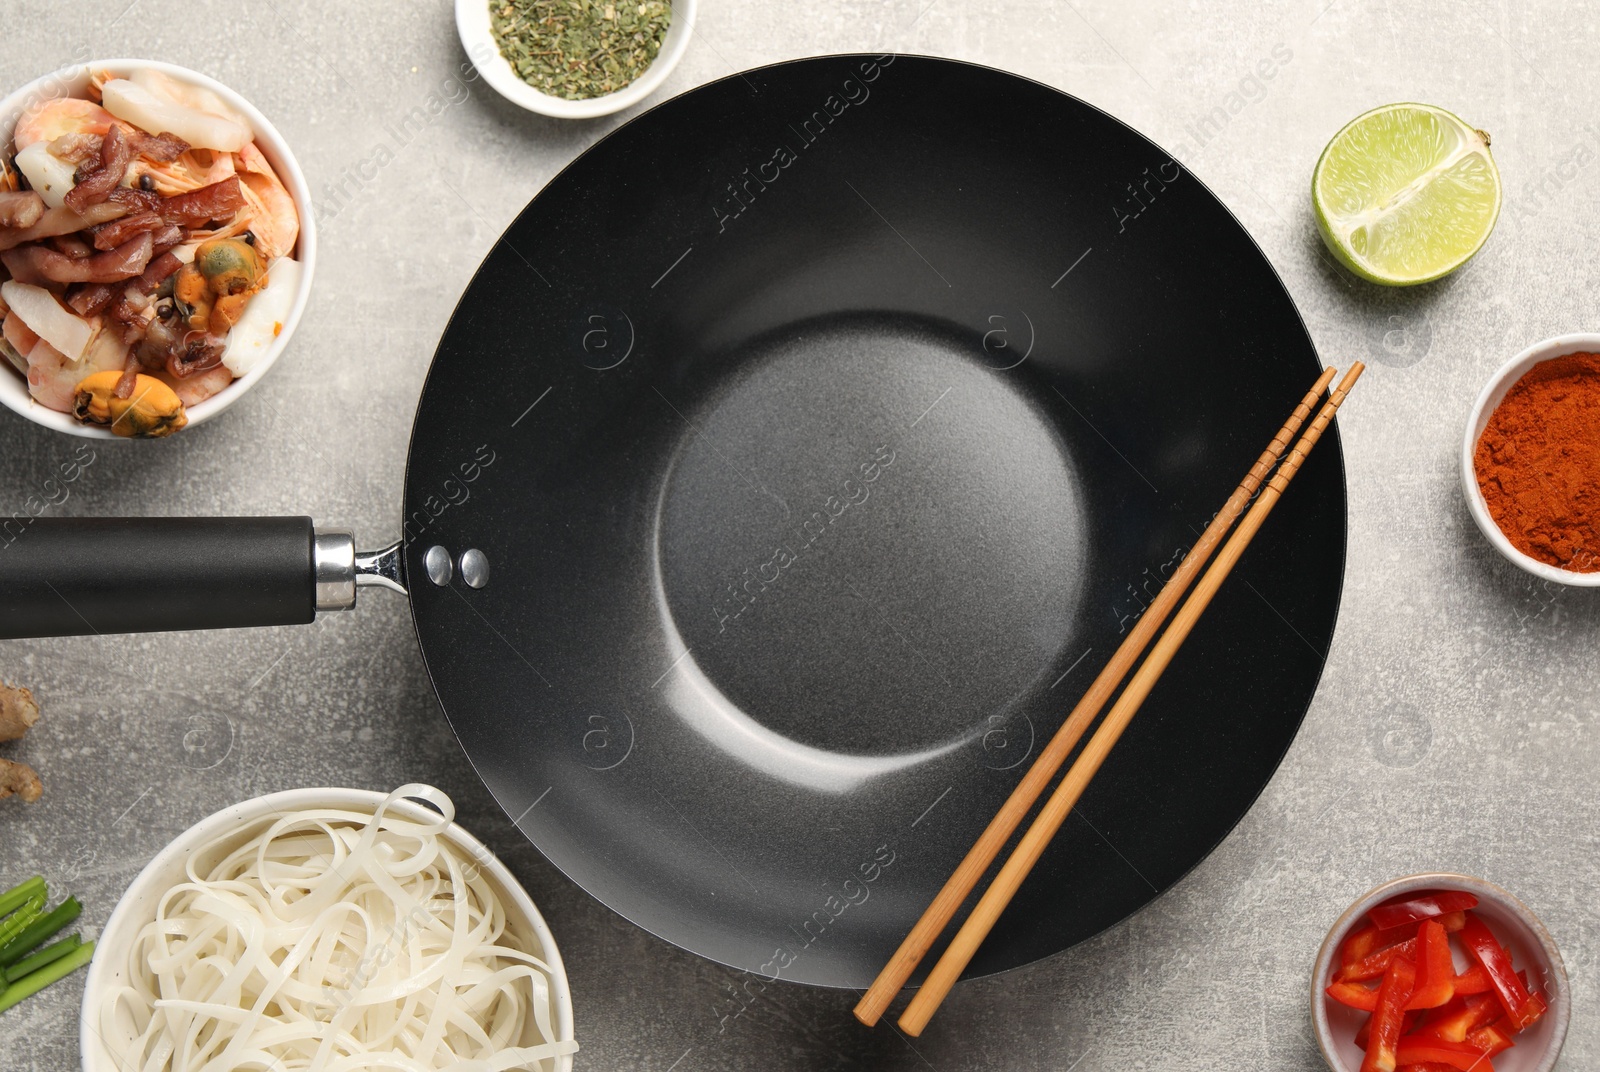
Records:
x=75, y=576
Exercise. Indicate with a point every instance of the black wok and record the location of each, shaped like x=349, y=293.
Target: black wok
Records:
x=791, y=464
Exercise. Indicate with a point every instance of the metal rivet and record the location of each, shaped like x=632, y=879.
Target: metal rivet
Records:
x=475, y=568
x=437, y=562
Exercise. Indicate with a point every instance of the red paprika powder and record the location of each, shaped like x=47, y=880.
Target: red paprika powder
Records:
x=1538, y=463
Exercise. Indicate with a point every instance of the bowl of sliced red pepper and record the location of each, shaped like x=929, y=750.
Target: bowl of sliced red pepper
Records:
x=1438, y=972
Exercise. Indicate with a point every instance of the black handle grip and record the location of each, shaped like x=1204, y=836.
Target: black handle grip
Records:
x=72, y=576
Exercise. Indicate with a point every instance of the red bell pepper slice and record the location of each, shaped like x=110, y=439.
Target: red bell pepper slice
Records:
x=1436, y=974
x=1364, y=1032
x=1459, y=1015
x=1373, y=965
x=1491, y=1038
x=1410, y=908
x=1388, y=1019
x=1473, y=981
x=1427, y=1066
x=1358, y=944
x=1368, y=939
x=1357, y=996
x=1521, y=1009
x=1461, y=1055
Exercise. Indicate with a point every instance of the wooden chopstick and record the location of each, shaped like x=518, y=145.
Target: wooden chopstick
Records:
x=943, y=907
x=1061, y=802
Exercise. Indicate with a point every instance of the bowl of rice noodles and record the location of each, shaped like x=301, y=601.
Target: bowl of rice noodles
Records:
x=327, y=929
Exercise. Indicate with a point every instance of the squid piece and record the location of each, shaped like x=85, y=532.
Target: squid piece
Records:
x=263, y=318
x=95, y=184
x=159, y=270
x=76, y=149
x=192, y=372
x=50, y=176
x=36, y=264
x=219, y=201
x=158, y=148
x=60, y=221
x=158, y=104
x=47, y=318
x=90, y=299
x=20, y=209
x=113, y=234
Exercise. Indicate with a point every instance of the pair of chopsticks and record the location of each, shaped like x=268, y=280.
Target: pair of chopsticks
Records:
x=898, y=971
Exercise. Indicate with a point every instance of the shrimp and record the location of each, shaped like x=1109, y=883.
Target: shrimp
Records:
x=49, y=120
x=18, y=334
x=53, y=378
x=269, y=212
x=19, y=339
x=193, y=169
x=276, y=221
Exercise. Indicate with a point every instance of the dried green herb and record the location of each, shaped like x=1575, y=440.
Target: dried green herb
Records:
x=577, y=49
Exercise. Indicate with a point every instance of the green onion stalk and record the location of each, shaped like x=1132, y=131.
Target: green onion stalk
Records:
x=38, y=930
x=21, y=917
x=36, y=981
x=49, y=953
x=25, y=969
x=14, y=898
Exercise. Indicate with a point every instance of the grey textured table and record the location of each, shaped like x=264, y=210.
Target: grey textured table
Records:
x=1456, y=724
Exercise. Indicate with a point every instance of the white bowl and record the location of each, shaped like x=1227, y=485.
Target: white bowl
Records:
x=472, y=24
x=1530, y=945
x=1489, y=398
x=71, y=82
x=137, y=906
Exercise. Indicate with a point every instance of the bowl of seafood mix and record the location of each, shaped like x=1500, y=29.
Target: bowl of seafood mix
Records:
x=156, y=248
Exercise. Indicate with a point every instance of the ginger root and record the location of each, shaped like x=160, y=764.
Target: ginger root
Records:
x=20, y=779
x=18, y=711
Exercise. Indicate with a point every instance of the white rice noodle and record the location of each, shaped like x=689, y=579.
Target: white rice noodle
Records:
x=329, y=941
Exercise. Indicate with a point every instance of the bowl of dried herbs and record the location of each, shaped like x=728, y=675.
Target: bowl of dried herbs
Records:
x=575, y=59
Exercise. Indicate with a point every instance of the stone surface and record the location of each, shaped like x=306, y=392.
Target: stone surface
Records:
x=1456, y=724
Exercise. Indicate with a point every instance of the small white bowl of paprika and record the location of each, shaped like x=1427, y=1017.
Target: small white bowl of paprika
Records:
x=1530, y=460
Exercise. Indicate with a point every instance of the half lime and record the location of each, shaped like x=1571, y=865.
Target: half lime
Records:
x=1405, y=194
